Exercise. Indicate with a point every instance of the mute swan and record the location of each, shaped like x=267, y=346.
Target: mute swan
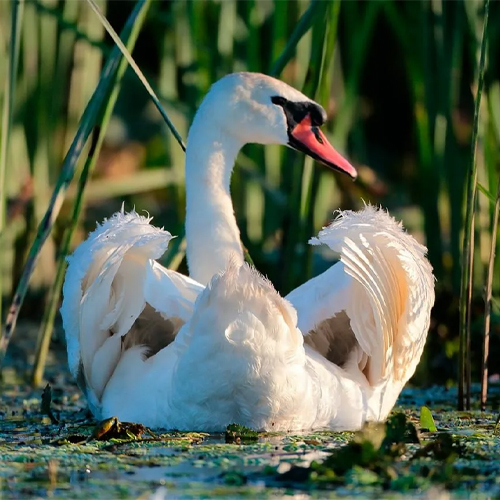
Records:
x=149, y=345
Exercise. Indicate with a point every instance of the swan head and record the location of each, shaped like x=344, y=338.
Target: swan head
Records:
x=255, y=108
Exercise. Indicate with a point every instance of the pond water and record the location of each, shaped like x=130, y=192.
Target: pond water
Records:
x=42, y=458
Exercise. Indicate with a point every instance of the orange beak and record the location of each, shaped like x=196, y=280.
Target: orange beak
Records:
x=310, y=140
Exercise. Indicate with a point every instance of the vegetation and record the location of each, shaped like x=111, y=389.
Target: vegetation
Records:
x=75, y=458
x=401, y=81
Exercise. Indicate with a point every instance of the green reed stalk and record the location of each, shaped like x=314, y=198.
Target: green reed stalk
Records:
x=137, y=71
x=487, y=301
x=310, y=16
x=453, y=162
x=468, y=249
x=8, y=108
x=321, y=95
x=315, y=16
x=87, y=123
x=491, y=154
x=100, y=129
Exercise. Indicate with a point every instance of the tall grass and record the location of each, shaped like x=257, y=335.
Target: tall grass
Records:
x=100, y=128
x=396, y=79
x=7, y=114
x=87, y=123
x=468, y=248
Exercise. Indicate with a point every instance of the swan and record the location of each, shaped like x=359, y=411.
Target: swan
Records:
x=149, y=345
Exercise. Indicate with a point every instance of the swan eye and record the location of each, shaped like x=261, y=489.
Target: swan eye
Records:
x=297, y=111
x=318, y=115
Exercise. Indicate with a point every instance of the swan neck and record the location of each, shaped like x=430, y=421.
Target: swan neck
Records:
x=212, y=235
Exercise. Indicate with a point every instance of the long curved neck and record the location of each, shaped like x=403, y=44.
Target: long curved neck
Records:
x=212, y=235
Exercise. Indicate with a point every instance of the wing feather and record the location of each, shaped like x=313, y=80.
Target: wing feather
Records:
x=387, y=291
x=111, y=277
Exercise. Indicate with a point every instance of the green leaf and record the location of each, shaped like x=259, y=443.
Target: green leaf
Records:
x=426, y=419
x=315, y=9
x=496, y=305
x=112, y=33
x=488, y=195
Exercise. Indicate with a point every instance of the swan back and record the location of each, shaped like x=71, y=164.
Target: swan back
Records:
x=240, y=357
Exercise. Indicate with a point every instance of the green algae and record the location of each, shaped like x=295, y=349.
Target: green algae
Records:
x=75, y=458
x=240, y=434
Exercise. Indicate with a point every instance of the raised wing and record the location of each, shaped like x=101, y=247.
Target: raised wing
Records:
x=116, y=296
x=383, y=285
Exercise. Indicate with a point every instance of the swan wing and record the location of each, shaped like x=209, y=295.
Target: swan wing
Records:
x=116, y=296
x=378, y=296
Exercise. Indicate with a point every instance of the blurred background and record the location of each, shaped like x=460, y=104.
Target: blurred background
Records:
x=397, y=79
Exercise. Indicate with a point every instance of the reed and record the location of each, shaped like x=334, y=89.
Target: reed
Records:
x=8, y=110
x=100, y=129
x=87, y=123
x=468, y=242
x=492, y=158
x=488, y=300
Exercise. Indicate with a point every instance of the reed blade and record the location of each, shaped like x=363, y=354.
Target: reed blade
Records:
x=87, y=123
x=305, y=23
x=487, y=301
x=468, y=240
x=137, y=71
x=100, y=129
x=7, y=114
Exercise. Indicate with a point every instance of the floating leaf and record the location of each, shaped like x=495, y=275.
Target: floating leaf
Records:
x=426, y=420
x=104, y=427
x=71, y=439
x=444, y=448
x=368, y=459
x=399, y=431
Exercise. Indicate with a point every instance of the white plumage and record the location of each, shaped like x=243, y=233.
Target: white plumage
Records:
x=150, y=345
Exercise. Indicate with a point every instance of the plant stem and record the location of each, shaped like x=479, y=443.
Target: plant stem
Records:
x=468, y=248
x=87, y=123
x=98, y=139
x=487, y=302
x=8, y=108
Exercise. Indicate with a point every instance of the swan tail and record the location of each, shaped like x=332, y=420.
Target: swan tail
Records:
x=391, y=294
x=104, y=293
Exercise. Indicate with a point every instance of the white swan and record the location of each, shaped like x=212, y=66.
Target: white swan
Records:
x=149, y=345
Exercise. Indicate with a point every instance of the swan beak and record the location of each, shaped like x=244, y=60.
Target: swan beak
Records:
x=310, y=140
